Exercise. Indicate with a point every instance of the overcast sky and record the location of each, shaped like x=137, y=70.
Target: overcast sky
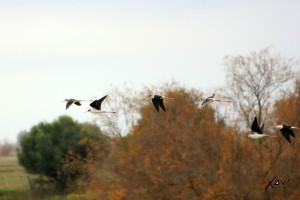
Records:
x=52, y=50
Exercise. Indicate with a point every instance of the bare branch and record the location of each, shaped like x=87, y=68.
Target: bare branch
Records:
x=253, y=81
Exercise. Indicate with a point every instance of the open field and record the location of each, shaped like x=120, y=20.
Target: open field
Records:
x=14, y=183
x=13, y=180
x=13, y=176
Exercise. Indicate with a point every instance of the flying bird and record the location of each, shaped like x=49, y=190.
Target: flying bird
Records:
x=258, y=131
x=212, y=99
x=286, y=131
x=75, y=101
x=97, y=103
x=96, y=107
x=158, y=101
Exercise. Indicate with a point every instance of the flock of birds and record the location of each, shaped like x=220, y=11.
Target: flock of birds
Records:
x=158, y=102
x=96, y=105
x=285, y=130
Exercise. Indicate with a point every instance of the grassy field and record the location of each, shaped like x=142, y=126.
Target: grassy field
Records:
x=13, y=180
x=14, y=183
x=13, y=176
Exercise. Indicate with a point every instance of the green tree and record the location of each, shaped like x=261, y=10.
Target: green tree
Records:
x=45, y=148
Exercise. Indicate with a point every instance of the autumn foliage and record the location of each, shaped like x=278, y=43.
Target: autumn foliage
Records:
x=186, y=153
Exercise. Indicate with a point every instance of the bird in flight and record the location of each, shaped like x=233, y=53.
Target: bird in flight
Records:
x=96, y=107
x=75, y=101
x=158, y=101
x=286, y=131
x=212, y=99
x=97, y=103
x=258, y=131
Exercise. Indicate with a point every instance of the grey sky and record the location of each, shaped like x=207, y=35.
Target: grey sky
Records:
x=52, y=50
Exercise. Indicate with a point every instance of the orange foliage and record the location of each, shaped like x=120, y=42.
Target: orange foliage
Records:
x=185, y=153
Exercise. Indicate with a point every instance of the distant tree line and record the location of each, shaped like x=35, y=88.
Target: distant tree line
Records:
x=7, y=149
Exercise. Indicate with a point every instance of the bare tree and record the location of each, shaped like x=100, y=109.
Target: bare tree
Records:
x=126, y=103
x=253, y=80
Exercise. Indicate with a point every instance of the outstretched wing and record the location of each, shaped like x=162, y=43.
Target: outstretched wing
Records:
x=97, y=103
x=156, y=104
x=77, y=103
x=255, y=128
x=289, y=132
x=206, y=101
x=286, y=135
x=94, y=104
x=69, y=103
x=292, y=133
x=100, y=101
x=161, y=103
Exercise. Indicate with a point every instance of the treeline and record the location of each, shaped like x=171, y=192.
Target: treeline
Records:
x=188, y=152
x=7, y=149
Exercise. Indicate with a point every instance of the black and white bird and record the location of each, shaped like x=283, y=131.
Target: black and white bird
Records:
x=158, y=101
x=286, y=131
x=212, y=99
x=258, y=131
x=96, y=106
x=75, y=101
